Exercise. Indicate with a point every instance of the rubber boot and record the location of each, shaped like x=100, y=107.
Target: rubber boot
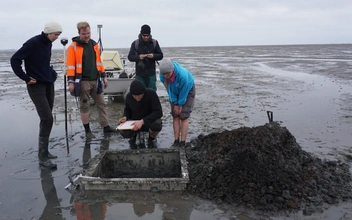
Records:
x=141, y=140
x=51, y=156
x=108, y=129
x=182, y=144
x=176, y=143
x=90, y=135
x=152, y=143
x=43, y=154
x=132, y=141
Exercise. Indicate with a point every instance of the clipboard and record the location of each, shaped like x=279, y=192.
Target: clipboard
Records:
x=127, y=125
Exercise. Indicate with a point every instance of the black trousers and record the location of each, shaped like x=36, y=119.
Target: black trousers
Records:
x=155, y=126
x=42, y=95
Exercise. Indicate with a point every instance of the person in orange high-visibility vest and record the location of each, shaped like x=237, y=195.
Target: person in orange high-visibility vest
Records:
x=85, y=73
x=90, y=211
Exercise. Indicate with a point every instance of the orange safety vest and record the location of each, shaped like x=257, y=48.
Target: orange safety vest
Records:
x=75, y=59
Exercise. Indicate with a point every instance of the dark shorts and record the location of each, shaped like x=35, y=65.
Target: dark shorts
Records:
x=187, y=108
x=155, y=126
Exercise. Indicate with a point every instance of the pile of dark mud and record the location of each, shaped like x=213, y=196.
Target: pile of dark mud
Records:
x=264, y=168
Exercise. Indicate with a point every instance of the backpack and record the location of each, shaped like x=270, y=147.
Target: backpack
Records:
x=136, y=44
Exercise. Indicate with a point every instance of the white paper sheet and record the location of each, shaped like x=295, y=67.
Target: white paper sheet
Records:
x=126, y=126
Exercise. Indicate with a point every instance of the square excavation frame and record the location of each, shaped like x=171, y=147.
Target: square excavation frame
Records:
x=146, y=169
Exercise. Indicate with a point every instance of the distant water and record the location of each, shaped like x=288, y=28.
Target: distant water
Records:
x=281, y=53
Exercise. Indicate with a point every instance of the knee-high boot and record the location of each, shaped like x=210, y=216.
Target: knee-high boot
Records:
x=43, y=153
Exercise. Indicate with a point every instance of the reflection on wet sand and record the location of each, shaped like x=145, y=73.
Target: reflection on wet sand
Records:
x=52, y=208
x=181, y=209
x=87, y=154
x=85, y=209
x=140, y=209
x=169, y=205
x=88, y=211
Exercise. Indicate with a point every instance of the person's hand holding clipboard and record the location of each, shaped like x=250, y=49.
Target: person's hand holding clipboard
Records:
x=133, y=125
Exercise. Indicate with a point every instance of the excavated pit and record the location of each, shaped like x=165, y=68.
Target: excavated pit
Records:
x=148, y=169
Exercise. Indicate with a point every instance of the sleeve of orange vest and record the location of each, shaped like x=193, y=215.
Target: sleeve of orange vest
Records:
x=100, y=65
x=71, y=64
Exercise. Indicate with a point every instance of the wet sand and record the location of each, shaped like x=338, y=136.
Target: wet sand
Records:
x=308, y=89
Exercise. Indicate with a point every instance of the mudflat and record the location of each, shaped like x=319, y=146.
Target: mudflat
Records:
x=307, y=87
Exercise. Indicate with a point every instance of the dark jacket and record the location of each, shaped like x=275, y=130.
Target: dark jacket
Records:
x=36, y=54
x=145, y=67
x=148, y=108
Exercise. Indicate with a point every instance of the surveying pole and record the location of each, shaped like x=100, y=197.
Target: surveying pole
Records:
x=64, y=41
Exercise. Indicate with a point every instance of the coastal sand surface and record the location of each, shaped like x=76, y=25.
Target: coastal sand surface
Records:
x=307, y=87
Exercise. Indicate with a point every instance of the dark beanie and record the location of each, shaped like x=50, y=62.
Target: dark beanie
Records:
x=145, y=29
x=137, y=87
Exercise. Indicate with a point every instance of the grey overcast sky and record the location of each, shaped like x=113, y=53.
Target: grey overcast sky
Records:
x=177, y=23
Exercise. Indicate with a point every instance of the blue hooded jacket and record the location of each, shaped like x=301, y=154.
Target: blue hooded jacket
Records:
x=36, y=54
x=178, y=90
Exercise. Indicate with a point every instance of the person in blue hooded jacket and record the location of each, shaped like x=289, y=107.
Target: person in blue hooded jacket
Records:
x=40, y=77
x=179, y=84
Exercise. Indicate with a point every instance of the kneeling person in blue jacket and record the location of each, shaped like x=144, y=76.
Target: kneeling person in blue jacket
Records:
x=142, y=105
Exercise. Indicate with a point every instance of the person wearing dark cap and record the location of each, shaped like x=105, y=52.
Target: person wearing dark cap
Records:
x=179, y=84
x=40, y=77
x=145, y=51
x=142, y=105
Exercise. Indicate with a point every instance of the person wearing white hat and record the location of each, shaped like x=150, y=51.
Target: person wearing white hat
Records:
x=40, y=77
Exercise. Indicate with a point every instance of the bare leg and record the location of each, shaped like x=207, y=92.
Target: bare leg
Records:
x=85, y=118
x=184, y=129
x=177, y=127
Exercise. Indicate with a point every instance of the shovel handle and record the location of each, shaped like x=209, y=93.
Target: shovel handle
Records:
x=270, y=116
